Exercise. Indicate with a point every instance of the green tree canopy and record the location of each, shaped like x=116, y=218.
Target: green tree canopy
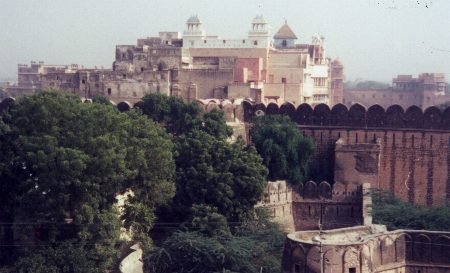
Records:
x=397, y=214
x=180, y=118
x=284, y=150
x=63, y=162
x=173, y=113
x=211, y=171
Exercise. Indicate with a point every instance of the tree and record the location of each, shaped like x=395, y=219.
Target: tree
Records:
x=257, y=244
x=397, y=214
x=175, y=115
x=211, y=171
x=180, y=118
x=62, y=164
x=284, y=150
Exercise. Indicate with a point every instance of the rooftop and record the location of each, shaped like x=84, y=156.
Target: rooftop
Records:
x=285, y=32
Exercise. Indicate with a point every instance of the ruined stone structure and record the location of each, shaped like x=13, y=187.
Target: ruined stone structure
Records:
x=304, y=206
x=200, y=66
x=426, y=90
x=366, y=249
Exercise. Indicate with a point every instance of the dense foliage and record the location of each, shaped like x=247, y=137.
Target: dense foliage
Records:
x=211, y=171
x=397, y=214
x=285, y=151
x=255, y=247
x=62, y=163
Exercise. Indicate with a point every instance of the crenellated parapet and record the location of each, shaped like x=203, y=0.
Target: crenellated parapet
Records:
x=305, y=205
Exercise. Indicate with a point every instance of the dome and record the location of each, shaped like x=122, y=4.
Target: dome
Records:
x=259, y=19
x=285, y=32
x=193, y=20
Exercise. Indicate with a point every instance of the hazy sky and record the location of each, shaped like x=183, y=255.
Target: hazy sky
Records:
x=374, y=39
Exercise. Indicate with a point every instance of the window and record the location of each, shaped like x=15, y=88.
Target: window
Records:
x=255, y=42
x=142, y=69
x=124, y=55
x=134, y=94
x=109, y=91
x=297, y=268
x=224, y=41
x=83, y=81
x=124, y=76
x=243, y=41
x=283, y=80
x=352, y=270
x=204, y=41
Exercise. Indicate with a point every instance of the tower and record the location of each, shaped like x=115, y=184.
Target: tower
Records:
x=194, y=31
x=259, y=33
x=284, y=37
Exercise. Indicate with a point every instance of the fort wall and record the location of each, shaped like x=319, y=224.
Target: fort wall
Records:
x=365, y=249
x=414, y=145
x=304, y=206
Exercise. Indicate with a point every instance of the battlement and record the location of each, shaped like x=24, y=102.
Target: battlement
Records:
x=303, y=206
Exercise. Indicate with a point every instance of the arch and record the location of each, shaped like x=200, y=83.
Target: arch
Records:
x=272, y=109
x=376, y=117
x=339, y=115
x=249, y=112
x=324, y=190
x=6, y=103
x=357, y=115
x=446, y=119
x=259, y=109
x=395, y=116
x=313, y=258
x=310, y=190
x=332, y=258
x=297, y=192
x=139, y=105
x=228, y=110
x=387, y=250
x=351, y=260
x=321, y=114
x=124, y=106
x=366, y=261
x=413, y=117
x=403, y=248
x=304, y=114
x=339, y=188
x=422, y=248
x=441, y=249
x=432, y=118
x=211, y=106
x=288, y=109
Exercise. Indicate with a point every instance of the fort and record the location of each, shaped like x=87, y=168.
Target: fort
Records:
x=195, y=65
x=404, y=152
x=364, y=249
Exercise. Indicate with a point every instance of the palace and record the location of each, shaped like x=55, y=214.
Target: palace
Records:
x=194, y=65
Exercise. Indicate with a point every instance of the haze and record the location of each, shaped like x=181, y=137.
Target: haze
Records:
x=375, y=40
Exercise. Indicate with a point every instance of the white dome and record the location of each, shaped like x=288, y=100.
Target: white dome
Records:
x=193, y=20
x=259, y=19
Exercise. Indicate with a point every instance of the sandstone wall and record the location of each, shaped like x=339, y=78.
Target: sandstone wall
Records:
x=414, y=157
